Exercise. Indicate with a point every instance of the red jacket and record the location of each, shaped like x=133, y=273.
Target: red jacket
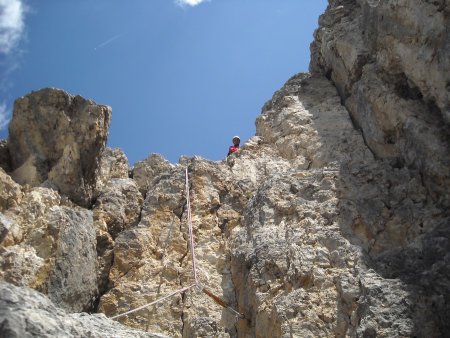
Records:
x=232, y=149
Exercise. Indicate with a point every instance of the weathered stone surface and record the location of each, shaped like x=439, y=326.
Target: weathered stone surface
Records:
x=21, y=265
x=332, y=221
x=5, y=158
x=10, y=232
x=145, y=171
x=152, y=260
x=307, y=231
x=27, y=313
x=304, y=231
x=203, y=327
x=117, y=208
x=52, y=249
x=391, y=66
x=57, y=138
x=10, y=191
x=113, y=164
x=119, y=205
x=72, y=281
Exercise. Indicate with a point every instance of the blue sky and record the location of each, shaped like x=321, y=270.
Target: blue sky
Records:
x=182, y=77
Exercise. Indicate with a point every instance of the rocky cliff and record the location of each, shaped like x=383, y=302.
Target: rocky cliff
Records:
x=332, y=221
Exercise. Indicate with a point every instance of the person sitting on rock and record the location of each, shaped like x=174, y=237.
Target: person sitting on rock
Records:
x=235, y=146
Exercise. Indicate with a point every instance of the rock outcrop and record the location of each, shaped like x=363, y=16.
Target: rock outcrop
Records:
x=27, y=313
x=56, y=138
x=332, y=221
x=51, y=247
x=145, y=171
x=391, y=65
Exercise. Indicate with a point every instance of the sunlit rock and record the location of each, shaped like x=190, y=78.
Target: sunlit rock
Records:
x=57, y=138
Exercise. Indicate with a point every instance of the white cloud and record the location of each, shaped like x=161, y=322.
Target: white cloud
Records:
x=11, y=24
x=4, y=116
x=189, y=2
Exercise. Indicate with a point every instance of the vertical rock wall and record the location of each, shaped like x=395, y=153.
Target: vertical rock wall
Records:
x=390, y=64
x=331, y=222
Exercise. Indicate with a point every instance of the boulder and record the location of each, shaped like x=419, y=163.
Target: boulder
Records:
x=25, y=312
x=57, y=138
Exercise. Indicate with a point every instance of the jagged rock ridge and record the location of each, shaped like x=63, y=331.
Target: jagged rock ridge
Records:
x=331, y=222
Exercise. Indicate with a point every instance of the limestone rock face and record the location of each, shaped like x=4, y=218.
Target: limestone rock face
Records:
x=153, y=260
x=5, y=159
x=391, y=66
x=113, y=164
x=304, y=231
x=145, y=171
x=119, y=205
x=117, y=208
x=57, y=138
x=27, y=313
x=332, y=221
x=51, y=247
x=10, y=191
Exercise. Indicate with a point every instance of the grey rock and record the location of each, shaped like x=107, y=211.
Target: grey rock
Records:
x=57, y=138
x=72, y=282
x=117, y=208
x=203, y=327
x=5, y=158
x=113, y=164
x=20, y=265
x=51, y=248
x=392, y=73
x=145, y=171
x=10, y=232
x=27, y=313
x=119, y=205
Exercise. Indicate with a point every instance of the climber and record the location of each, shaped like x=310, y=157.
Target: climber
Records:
x=235, y=146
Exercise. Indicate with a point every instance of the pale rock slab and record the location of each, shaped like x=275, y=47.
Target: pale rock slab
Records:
x=57, y=138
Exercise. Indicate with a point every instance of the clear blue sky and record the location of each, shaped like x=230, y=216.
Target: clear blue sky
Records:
x=181, y=79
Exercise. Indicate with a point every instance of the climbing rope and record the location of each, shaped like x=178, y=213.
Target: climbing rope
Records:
x=191, y=235
x=196, y=284
x=156, y=301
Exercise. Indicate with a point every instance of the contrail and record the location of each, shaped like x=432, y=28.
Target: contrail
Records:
x=107, y=42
